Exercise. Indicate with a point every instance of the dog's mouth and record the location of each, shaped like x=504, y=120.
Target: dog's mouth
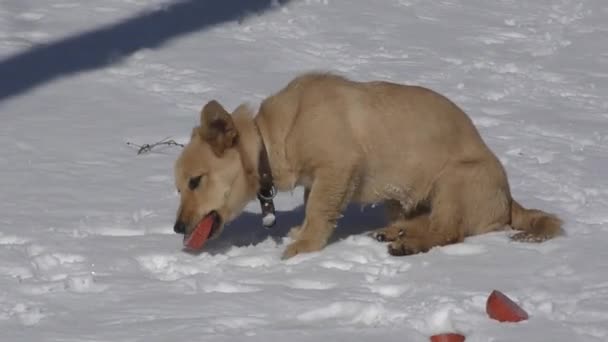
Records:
x=216, y=222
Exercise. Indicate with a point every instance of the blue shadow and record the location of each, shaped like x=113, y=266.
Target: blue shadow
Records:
x=111, y=44
x=247, y=229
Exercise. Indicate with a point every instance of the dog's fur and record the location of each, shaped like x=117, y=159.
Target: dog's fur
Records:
x=345, y=141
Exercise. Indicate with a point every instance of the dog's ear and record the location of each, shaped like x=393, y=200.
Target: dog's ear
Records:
x=217, y=128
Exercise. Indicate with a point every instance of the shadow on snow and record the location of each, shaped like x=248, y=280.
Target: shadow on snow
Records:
x=110, y=44
x=247, y=229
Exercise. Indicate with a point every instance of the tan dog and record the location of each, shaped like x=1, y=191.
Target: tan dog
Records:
x=345, y=141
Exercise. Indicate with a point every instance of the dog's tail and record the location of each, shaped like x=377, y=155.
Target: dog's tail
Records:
x=535, y=225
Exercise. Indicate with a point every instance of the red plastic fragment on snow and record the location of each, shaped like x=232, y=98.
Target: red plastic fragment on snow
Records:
x=503, y=309
x=451, y=337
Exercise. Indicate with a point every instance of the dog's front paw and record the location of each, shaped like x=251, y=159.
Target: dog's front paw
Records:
x=300, y=246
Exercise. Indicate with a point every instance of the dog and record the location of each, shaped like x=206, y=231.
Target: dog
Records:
x=343, y=141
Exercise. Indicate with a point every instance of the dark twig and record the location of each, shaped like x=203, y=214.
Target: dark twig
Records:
x=145, y=148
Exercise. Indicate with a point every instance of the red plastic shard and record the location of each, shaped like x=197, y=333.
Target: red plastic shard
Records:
x=451, y=337
x=199, y=236
x=503, y=309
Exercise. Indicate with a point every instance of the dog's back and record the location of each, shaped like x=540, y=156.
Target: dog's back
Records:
x=400, y=134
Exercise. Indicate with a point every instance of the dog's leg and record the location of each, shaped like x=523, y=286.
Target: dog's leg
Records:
x=399, y=219
x=389, y=233
x=394, y=210
x=306, y=195
x=294, y=232
x=417, y=236
x=469, y=198
x=442, y=226
x=398, y=229
x=331, y=191
x=426, y=232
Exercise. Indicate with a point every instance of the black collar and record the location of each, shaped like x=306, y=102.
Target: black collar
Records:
x=267, y=190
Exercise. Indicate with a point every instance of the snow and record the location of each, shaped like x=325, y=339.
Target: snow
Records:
x=87, y=250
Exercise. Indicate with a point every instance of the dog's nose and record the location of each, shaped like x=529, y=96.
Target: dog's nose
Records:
x=179, y=227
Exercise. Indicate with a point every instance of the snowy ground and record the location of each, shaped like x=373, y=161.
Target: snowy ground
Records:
x=87, y=251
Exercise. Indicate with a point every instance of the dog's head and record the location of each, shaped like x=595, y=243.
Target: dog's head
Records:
x=209, y=175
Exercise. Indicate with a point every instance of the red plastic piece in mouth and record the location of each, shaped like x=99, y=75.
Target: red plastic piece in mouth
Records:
x=199, y=236
x=451, y=337
x=503, y=309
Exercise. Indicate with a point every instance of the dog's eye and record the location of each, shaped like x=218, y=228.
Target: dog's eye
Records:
x=194, y=182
